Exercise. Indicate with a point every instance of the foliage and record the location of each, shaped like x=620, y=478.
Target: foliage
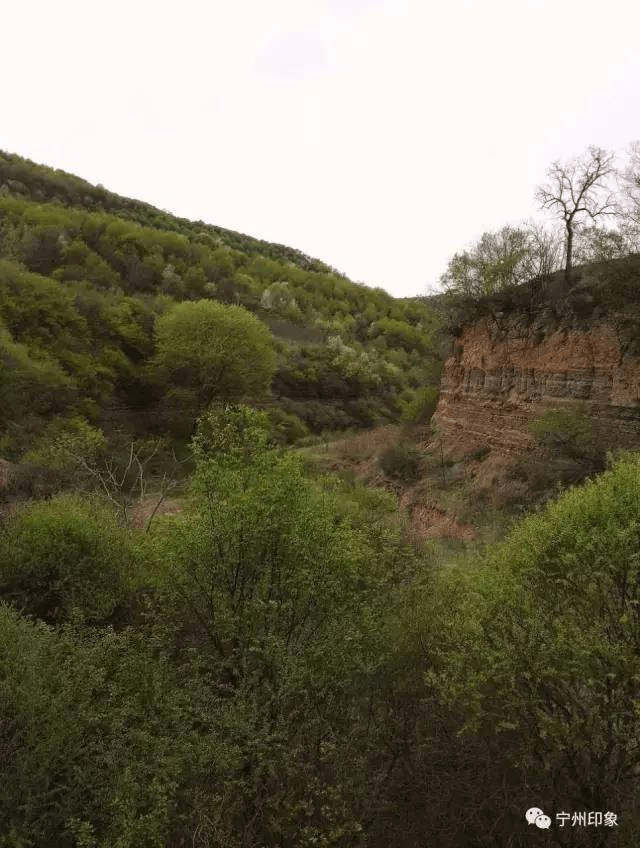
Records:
x=216, y=351
x=283, y=602
x=600, y=244
x=566, y=429
x=63, y=440
x=542, y=653
x=497, y=261
x=401, y=461
x=65, y=558
x=286, y=428
x=422, y=405
x=85, y=276
x=298, y=674
x=97, y=739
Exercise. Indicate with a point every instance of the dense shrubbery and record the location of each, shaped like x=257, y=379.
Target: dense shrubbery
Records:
x=420, y=408
x=295, y=673
x=64, y=558
x=235, y=713
x=541, y=655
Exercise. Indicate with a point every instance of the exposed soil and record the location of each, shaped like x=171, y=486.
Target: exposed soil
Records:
x=428, y=518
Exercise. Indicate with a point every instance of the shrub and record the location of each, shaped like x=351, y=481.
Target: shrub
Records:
x=401, y=461
x=568, y=432
x=279, y=600
x=65, y=557
x=286, y=428
x=422, y=406
x=65, y=443
x=96, y=739
x=544, y=657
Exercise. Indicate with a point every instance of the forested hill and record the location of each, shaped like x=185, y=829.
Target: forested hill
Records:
x=99, y=295
x=42, y=184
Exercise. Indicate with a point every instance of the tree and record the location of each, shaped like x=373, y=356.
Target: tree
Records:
x=598, y=244
x=630, y=179
x=545, y=252
x=215, y=351
x=498, y=260
x=282, y=601
x=547, y=652
x=576, y=188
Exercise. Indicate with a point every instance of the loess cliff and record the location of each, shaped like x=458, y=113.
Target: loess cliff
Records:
x=505, y=370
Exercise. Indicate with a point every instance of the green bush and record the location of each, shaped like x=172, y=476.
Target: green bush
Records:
x=543, y=656
x=98, y=743
x=402, y=461
x=278, y=601
x=65, y=557
x=569, y=433
x=422, y=406
x=286, y=428
x=567, y=428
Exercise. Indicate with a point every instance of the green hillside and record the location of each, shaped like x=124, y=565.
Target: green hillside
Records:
x=85, y=275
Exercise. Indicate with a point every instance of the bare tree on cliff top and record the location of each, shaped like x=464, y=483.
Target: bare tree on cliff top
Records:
x=579, y=187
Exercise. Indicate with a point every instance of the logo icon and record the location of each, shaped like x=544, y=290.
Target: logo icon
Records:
x=535, y=815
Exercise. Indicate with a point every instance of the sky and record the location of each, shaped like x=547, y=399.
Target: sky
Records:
x=380, y=136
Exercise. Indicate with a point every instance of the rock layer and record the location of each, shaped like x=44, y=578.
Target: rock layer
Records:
x=501, y=374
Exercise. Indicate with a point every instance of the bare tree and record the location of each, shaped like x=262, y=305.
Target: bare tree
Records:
x=545, y=252
x=576, y=188
x=124, y=483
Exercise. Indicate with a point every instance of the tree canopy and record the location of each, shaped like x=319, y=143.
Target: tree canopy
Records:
x=215, y=350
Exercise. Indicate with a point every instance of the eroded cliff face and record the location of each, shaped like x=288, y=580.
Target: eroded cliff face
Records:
x=505, y=371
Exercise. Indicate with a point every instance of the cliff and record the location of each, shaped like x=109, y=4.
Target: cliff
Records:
x=507, y=368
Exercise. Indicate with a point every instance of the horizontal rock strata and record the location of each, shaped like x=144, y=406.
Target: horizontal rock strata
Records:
x=498, y=378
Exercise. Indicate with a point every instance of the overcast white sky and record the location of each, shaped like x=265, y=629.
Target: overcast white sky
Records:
x=378, y=135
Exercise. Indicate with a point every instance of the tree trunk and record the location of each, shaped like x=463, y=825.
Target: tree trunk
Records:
x=567, y=267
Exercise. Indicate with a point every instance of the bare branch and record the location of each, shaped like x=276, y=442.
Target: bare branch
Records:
x=576, y=189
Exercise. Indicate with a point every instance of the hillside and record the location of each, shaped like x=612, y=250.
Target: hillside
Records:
x=85, y=276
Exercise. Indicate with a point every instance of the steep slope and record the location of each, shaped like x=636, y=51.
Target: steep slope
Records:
x=499, y=378
x=526, y=354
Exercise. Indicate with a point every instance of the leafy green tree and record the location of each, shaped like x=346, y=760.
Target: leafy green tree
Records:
x=543, y=656
x=401, y=335
x=217, y=351
x=31, y=387
x=497, y=261
x=282, y=602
